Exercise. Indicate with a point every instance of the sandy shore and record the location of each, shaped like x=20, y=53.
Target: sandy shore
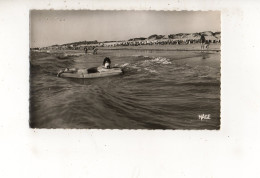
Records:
x=190, y=47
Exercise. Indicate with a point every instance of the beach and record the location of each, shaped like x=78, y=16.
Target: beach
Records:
x=187, y=47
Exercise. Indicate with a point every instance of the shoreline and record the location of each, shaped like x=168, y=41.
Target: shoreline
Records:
x=216, y=50
x=188, y=47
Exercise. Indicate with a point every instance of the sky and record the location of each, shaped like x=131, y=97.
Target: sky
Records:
x=49, y=27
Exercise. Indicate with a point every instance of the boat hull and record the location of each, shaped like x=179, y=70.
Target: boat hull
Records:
x=83, y=73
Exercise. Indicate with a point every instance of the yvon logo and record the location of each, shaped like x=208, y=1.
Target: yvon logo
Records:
x=204, y=116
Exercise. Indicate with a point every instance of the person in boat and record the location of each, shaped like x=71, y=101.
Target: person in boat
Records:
x=107, y=63
x=202, y=41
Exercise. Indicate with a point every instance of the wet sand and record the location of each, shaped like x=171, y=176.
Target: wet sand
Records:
x=188, y=47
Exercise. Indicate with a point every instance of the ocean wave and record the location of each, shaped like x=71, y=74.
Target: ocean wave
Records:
x=160, y=60
x=124, y=65
x=151, y=70
x=138, y=55
x=147, y=65
x=68, y=55
x=199, y=84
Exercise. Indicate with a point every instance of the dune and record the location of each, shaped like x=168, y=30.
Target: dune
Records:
x=137, y=39
x=155, y=37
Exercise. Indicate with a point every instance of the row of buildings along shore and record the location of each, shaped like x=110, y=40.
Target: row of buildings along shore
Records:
x=172, y=39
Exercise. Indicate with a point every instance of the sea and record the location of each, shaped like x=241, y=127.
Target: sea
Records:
x=159, y=89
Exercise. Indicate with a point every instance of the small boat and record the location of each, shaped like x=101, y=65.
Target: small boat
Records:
x=94, y=72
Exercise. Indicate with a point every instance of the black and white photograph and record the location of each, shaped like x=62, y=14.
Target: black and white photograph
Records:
x=126, y=69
